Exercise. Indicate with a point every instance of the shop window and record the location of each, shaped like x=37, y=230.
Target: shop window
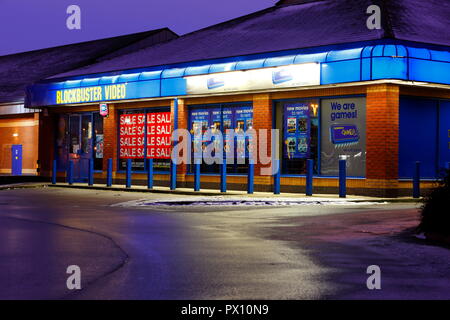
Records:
x=237, y=117
x=62, y=145
x=298, y=123
x=145, y=133
x=98, y=141
x=343, y=135
x=79, y=138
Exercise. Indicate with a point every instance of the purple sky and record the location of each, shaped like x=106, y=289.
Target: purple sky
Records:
x=34, y=24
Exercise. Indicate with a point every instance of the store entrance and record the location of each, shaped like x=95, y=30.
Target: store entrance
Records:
x=80, y=145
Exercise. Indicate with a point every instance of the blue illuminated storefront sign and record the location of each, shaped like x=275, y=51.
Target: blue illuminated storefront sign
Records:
x=349, y=63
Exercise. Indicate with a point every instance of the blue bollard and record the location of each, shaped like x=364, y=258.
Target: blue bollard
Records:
x=197, y=176
x=91, y=172
x=250, y=177
x=309, y=176
x=342, y=178
x=277, y=177
x=70, y=173
x=173, y=176
x=128, y=174
x=109, y=173
x=54, y=172
x=416, y=180
x=149, y=173
x=223, y=176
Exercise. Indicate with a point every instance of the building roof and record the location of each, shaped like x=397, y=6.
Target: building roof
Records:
x=291, y=24
x=21, y=69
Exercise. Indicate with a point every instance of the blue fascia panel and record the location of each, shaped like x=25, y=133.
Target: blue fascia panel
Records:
x=173, y=87
x=440, y=55
x=222, y=67
x=341, y=71
x=150, y=75
x=347, y=54
x=250, y=64
x=192, y=71
x=429, y=71
x=402, y=51
x=279, y=61
x=390, y=50
x=144, y=89
x=173, y=73
x=312, y=57
x=88, y=82
x=389, y=68
x=421, y=53
x=367, y=52
x=108, y=80
x=72, y=84
x=50, y=86
x=366, y=69
x=128, y=77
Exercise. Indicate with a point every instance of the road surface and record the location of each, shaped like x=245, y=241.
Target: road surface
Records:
x=210, y=252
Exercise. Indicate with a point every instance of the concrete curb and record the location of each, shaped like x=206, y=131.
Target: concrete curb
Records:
x=22, y=186
x=228, y=193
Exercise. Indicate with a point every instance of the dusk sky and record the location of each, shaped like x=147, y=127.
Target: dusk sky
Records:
x=35, y=24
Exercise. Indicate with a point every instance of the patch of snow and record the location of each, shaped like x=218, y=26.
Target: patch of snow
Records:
x=242, y=202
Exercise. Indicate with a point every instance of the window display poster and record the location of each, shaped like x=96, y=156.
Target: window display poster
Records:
x=243, y=119
x=239, y=119
x=297, y=130
x=343, y=133
x=131, y=136
x=159, y=133
x=200, y=122
x=99, y=146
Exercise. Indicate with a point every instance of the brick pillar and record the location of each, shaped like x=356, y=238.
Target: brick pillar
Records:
x=382, y=124
x=110, y=147
x=182, y=124
x=262, y=119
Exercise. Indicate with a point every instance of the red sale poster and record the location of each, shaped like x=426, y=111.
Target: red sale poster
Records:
x=132, y=129
x=159, y=132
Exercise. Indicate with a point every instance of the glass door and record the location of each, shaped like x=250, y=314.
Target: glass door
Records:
x=80, y=145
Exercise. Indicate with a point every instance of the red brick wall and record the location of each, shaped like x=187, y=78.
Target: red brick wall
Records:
x=182, y=124
x=110, y=137
x=262, y=119
x=382, y=132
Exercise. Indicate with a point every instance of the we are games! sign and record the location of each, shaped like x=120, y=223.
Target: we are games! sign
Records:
x=343, y=135
x=145, y=135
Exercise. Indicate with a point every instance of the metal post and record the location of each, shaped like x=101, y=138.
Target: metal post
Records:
x=54, y=172
x=277, y=177
x=223, y=176
x=309, y=176
x=149, y=173
x=416, y=180
x=70, y=173
x=173, y=176
x=251, y=176
x=197, y=175
x=173, y=165
x=91, y=172
x=109, y=173
x=342, y=178
x=128, y=174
